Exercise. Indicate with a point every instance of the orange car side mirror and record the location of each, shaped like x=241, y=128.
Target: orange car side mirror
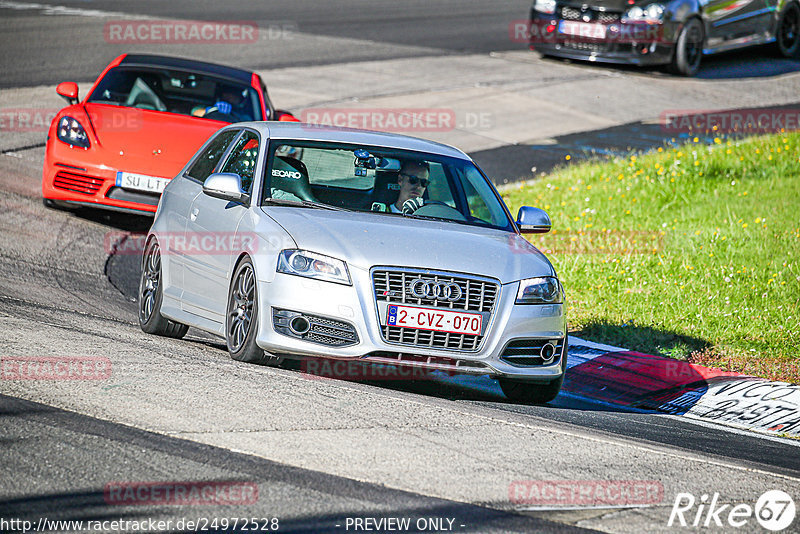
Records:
x=285, y=116
x=68, y=91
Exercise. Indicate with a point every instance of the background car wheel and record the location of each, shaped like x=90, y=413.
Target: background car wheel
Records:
x=150, y=296
x=787, y=38
x=241, y=318
x=688, y=49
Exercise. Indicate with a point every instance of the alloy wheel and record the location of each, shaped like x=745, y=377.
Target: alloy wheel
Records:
x=240, y=308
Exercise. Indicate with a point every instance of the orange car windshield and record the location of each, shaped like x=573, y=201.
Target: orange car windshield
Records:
x=181, y=92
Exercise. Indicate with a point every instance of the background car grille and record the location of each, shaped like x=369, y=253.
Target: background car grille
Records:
x=607, y=18
x=589, y=47
x=477, y=295
x=604, y=17
x=79, y=183
x=570, y=13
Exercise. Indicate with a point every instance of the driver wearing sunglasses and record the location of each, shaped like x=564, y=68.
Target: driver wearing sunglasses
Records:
x=412, y=179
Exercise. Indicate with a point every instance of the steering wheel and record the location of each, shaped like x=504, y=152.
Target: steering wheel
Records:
x=435, y=208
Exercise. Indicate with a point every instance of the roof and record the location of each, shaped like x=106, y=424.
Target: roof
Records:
x=202, y=67
x=317, y=132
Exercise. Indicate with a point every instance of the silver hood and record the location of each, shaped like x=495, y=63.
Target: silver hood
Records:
x=364, y=240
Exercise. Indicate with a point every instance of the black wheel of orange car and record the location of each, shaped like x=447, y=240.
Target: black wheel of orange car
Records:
x=787, y=37
x=150, y=297
x=242, y=315
x=688, y=49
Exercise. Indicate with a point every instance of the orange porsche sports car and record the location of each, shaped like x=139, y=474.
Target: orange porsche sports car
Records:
x=144, y=117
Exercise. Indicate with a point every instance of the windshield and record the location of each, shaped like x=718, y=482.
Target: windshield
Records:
x=181, y=92
x=384, y=181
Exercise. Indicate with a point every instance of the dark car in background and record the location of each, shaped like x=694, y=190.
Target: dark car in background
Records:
x=676, y=33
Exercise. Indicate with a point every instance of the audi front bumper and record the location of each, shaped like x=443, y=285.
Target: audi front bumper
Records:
x=345, y=323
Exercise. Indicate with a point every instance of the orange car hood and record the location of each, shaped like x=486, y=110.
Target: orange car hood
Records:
x=148, y=142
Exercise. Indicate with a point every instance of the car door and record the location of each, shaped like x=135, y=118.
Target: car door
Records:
x=177, y=203
x=210, y=233
x=736, y=20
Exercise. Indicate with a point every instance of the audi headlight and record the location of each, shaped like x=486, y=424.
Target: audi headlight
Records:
x=72, y=133
x=544, y=290
x=545, y=6
x=653, y=13
x=313, y=265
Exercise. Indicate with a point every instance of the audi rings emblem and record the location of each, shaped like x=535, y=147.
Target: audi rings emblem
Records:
x=429, y=289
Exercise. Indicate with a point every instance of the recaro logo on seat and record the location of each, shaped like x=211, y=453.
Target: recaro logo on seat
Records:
x=280, y=173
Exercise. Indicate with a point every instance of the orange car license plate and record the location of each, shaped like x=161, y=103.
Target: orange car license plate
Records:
x=434, y=319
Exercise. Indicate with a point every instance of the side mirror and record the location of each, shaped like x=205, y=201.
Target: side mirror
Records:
x=68, y=91
x=533, y=220
x=284, y=116
x=226, y=186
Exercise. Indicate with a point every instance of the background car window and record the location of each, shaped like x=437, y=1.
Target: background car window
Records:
x=175, y=91
x=208, y=160
x=242, y=160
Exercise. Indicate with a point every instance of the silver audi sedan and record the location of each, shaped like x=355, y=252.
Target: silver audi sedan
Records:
x=299, y=242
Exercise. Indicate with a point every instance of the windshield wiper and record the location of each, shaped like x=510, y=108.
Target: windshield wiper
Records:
x=303, y=203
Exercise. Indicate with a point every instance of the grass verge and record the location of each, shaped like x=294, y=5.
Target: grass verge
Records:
x=689, y=252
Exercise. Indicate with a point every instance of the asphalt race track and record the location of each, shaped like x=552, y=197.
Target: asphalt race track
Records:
x=325, y=452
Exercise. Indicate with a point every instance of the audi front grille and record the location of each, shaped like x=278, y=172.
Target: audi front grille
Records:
x=475, y=295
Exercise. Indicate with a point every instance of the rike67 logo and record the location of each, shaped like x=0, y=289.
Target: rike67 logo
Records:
x=774, y=510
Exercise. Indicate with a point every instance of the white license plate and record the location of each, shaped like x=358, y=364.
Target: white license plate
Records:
x=141, y=182
x=434, y=319
x=586, y=30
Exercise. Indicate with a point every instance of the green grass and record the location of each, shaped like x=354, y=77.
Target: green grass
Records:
x=690, y=252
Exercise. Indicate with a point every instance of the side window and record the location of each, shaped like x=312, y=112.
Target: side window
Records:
x=476, y=190
x=208, y=160
x=242, y=160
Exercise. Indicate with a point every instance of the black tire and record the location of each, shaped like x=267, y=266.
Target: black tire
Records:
x=523, y=392
x=150, y=296
x=242, y=316
x=688, y=49
x=787, y=34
